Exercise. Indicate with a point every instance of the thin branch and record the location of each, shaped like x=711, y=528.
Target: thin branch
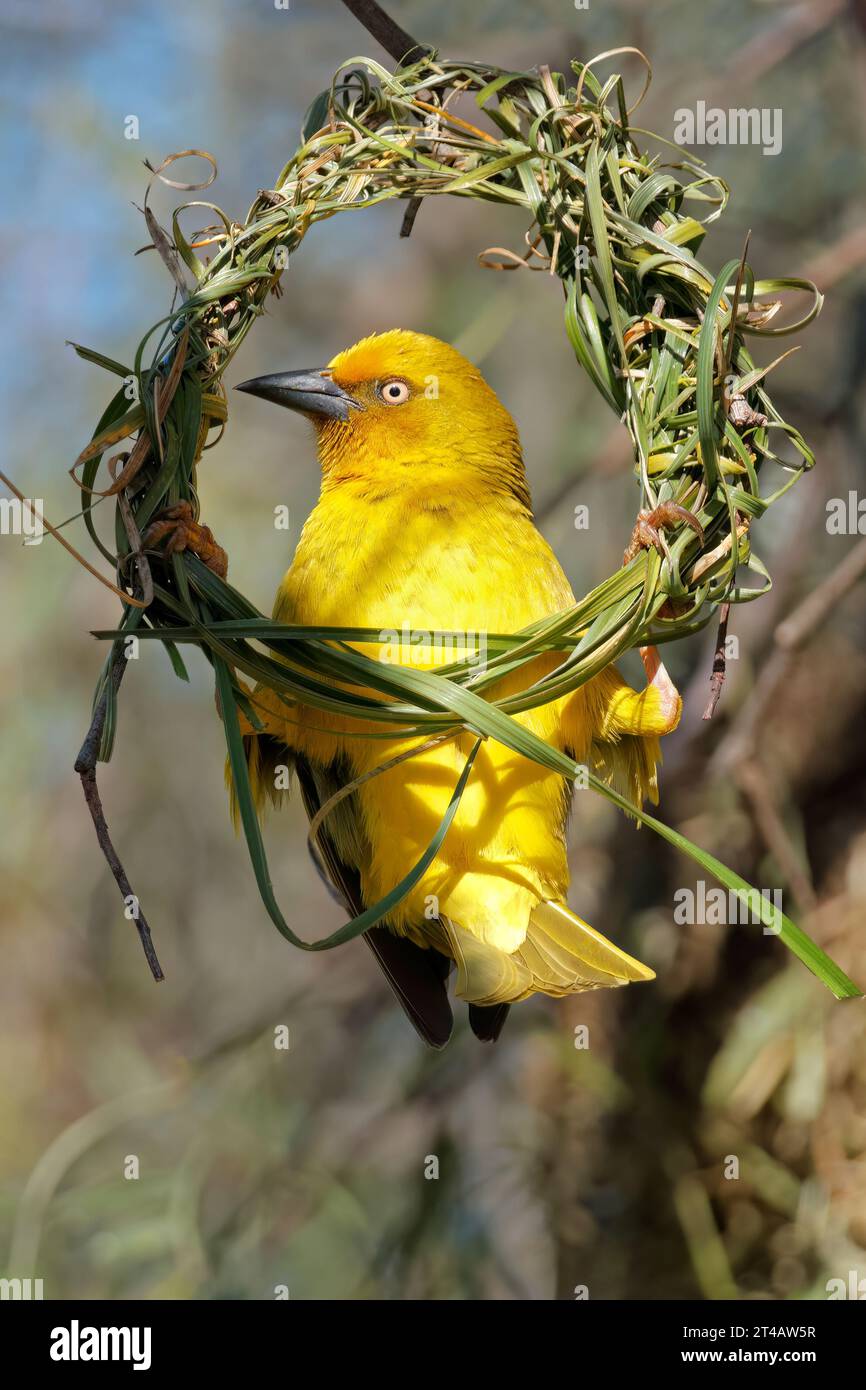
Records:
x=402, y=48
x=409, y=216
x=386, y=31
x=717, y=679
x=85, y=766
x=55, y=532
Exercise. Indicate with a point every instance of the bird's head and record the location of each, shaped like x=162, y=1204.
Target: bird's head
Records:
x=402, y=410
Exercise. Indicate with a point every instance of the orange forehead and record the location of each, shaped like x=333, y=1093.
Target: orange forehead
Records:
x=397, y=353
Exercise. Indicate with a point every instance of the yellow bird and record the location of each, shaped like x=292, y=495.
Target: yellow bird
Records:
x=424, y=523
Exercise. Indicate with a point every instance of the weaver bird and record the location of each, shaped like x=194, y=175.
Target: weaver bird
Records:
x=424, y=523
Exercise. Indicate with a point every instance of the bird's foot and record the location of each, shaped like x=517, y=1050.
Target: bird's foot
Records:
x=649, y=524
x=185, y=533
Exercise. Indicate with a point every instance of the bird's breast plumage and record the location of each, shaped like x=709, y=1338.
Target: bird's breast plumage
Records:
x=442, y=557
x=411, y=562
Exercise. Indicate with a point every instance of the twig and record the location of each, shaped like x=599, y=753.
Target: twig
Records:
x=386, y=31
x=55, y=532
x=401, y=47
x=409, y=216
x=85, y=766
x=717, y=679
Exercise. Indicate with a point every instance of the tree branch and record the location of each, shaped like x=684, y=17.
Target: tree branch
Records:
x=386, y=31
x=403, y=49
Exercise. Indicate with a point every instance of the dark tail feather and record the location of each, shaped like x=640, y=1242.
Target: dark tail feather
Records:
x=417, y=978
x=487, y=1021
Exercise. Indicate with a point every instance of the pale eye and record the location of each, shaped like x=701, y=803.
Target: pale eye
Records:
x=394, y=392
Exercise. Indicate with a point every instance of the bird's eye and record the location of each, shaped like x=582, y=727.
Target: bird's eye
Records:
x=394, y=392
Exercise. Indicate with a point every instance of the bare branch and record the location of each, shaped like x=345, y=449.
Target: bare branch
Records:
x=386, y=31
x=717, y=679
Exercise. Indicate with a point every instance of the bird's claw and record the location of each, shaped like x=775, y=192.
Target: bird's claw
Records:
x=649, y=525
x=185, y=533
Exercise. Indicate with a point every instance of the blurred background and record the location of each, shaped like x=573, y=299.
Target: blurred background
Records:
x=607, y=1168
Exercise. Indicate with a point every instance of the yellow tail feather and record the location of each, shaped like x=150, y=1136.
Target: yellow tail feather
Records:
x=561, y=955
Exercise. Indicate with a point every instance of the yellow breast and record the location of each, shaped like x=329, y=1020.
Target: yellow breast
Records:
x=409, y=564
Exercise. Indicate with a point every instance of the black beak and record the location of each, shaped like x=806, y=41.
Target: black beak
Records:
x=311, y=392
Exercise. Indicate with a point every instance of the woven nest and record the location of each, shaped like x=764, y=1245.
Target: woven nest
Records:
x=661, y=337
